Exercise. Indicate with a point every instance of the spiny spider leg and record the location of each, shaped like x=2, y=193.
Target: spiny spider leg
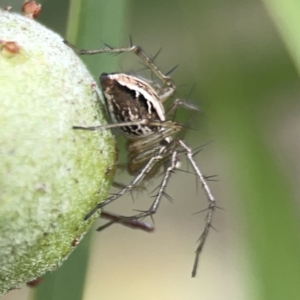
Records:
x=152, y=162
x=189, y=155
x=133, y=221
x=210, y=208
x=142, y=55
x=203, y=236
x=154, y=206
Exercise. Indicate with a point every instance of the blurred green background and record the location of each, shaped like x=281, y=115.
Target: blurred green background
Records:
x=238, y=62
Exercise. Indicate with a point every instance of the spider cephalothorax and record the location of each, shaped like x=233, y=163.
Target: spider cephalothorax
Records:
x=137, y=110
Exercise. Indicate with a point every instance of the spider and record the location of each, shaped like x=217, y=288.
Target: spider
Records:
x=135, y=108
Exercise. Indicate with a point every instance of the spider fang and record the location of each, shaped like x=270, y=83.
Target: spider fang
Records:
x=136, y=110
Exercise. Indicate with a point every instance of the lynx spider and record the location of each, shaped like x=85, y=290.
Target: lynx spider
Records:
x=136, y=108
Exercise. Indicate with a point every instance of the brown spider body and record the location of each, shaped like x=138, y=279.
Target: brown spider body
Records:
x=136, y=109
x=130, y=99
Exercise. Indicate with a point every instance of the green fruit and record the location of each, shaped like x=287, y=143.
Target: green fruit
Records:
x=50, y=174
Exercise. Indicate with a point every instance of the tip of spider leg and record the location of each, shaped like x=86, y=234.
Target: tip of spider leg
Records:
x=195, y=267
x=106, y=225
x=78, y=127
x=88, y=215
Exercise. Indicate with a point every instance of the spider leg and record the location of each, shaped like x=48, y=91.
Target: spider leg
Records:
x=113, y=125
x=161, y=191
x=210, y=208
x=114, y=218
x=141, y=54
x=148, y=167
x=119, y=185
x=168, y=124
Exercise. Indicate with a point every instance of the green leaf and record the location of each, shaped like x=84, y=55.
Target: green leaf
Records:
x=286, y=17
